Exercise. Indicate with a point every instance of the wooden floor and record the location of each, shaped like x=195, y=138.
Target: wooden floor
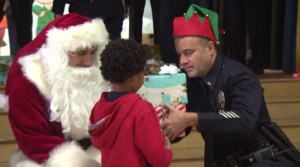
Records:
x=282, y=94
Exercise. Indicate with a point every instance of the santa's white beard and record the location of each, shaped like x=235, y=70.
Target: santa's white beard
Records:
x=74, y=93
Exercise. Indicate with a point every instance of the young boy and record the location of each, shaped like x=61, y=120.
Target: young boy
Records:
x=123, y=125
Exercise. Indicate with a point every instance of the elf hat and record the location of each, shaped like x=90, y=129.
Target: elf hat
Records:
x=197, y=21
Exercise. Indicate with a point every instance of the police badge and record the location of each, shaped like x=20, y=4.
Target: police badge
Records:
x=220, y=101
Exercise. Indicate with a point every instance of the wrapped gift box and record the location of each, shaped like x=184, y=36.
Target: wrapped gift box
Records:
x=163, y=113
x=164, y=89
x=161, y=89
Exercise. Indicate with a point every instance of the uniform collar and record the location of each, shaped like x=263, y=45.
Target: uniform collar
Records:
x=211, y=78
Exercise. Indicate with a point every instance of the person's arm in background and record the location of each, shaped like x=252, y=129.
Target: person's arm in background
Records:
x=126, y=4
x=58, y=7
x=37, y=9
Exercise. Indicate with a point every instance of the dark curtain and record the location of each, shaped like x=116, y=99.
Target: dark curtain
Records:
x=289, y=37
x=298, y=41
x=277, y=34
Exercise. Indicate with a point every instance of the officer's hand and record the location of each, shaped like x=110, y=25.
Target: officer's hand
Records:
x=174, y=124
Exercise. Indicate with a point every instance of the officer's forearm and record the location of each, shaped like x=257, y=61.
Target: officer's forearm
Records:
x=191, y=119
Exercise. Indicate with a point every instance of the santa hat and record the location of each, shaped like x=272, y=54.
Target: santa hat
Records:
x=197, y=21
x=66, y=33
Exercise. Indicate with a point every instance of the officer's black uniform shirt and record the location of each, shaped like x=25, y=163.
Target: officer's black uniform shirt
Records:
x=230, y=105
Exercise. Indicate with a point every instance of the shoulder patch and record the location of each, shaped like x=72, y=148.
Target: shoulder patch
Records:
x=228, y=114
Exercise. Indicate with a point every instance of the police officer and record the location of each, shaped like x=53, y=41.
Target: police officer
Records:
x=226, y=102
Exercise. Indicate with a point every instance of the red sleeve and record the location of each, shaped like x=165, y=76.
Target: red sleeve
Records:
x=28, y=116
x=150, y=140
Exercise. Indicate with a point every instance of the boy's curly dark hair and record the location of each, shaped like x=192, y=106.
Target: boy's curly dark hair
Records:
x=121, y=59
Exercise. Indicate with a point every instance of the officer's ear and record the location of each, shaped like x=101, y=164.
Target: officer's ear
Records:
x=210, y=46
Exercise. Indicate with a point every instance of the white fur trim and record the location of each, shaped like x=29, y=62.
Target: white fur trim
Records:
x=94, y=153
x=18, y=159
x=80, y=36
x=3, y=102
x=66, y=155
x=33, y=63
x=70, y=155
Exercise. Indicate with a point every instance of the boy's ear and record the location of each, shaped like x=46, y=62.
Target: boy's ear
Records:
x=132, y=78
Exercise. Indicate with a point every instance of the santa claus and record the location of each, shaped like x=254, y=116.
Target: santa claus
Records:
x=52, y=86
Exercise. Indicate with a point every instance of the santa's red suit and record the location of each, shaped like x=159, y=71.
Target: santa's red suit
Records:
x=49, y=109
